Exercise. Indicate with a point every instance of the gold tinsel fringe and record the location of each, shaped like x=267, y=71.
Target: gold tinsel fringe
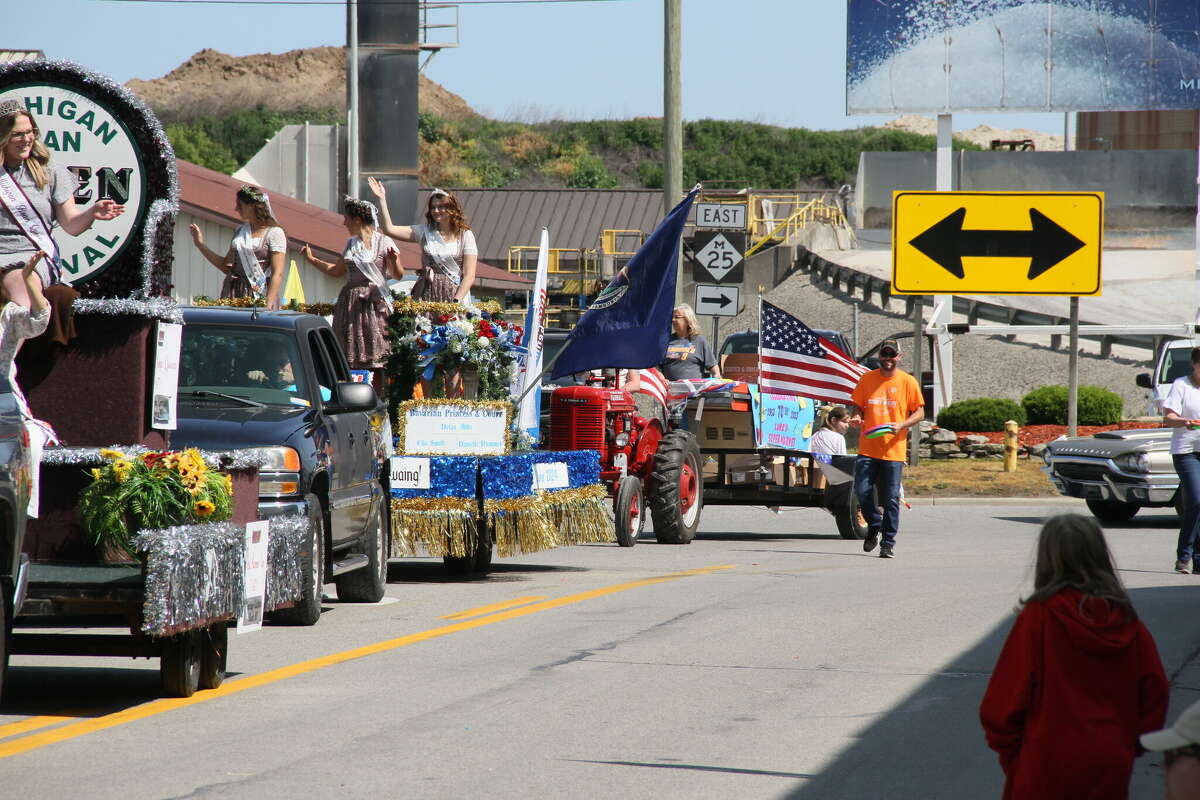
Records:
x=406, y=306
x=520, y=526
x=443, y=526
x=581, y=516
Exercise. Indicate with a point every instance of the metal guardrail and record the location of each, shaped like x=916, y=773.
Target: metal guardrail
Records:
x=1015, y=320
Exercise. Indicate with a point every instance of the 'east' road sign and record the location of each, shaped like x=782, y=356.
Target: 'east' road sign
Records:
x=717, y=301
x=729, y=216
x=997, y=242
x=718, y=256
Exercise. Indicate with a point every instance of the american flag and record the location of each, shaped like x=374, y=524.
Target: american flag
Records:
x=794, y=360
x=654, y=384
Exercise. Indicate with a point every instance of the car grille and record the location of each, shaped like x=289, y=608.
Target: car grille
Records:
x=1081, y=472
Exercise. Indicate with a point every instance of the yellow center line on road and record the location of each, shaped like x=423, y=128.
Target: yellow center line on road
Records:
x=31, y=724
x=84, y=727
x=481, y=610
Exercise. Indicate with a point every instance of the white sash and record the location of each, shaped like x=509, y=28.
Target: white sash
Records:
x=28, y=219
x=366, y=265
x=245, y=251
x=447, y=264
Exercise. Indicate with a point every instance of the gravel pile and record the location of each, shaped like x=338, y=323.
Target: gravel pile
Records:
x=984, y=366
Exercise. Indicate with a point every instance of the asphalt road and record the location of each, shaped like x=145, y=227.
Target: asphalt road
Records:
x=768, y=659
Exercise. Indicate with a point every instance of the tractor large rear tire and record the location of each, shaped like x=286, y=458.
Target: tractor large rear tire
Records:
x=676, y=494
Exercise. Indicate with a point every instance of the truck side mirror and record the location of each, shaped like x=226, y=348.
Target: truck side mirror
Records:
x=351, y=396
x=1143, y=380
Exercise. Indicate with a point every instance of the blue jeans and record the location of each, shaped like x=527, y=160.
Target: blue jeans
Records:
x=871, y=474
x=1188, y=467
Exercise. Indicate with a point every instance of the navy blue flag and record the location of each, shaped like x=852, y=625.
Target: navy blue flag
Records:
x=627, y=326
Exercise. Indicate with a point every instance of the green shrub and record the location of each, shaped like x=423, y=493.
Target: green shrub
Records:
x=1047, y=405
x=980, y=414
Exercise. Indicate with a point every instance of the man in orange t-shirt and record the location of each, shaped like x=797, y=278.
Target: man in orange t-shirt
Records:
x=888, y=402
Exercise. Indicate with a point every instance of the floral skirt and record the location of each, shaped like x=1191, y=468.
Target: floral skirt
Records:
x=434, y=287
x=360, y=323
x=234, y=286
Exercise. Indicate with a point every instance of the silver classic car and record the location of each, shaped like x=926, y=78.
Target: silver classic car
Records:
x=1116, y=472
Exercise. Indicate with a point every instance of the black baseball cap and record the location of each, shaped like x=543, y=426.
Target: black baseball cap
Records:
x=889, y=344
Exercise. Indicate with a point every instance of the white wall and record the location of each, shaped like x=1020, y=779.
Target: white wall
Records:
x=193, y=275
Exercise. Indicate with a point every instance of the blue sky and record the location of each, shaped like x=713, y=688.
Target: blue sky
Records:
x=780, y=62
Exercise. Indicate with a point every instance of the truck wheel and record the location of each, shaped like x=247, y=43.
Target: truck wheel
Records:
x=6, y=623
x=676, y=496
x=367, y=585
x=307, y=609
x=850, y=523
x=1112, y=510
x=214, y=654
x=179, y=667
x=629, y=511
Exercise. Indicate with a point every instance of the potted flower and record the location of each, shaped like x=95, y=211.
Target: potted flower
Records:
x=133, y=492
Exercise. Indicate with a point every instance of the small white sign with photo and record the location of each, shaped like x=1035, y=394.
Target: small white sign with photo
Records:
x=254, y=576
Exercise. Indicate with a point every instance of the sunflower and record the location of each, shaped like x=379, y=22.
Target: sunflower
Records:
x=122, y=470
x=96, y=476
x=203, y=508
x=112, y=455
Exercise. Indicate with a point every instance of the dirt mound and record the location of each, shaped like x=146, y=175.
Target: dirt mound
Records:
x=981, y=135
x=211, y=82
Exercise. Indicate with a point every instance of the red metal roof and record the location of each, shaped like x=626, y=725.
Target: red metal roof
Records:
x=210, y=194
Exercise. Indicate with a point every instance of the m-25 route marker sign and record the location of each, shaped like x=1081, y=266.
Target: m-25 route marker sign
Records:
x=997, y=242
x=718, y=256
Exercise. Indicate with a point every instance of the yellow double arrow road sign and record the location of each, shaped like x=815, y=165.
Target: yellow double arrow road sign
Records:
x=997, y=242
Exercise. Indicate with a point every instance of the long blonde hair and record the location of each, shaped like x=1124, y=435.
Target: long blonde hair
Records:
x=693, y=324
x=39, y=158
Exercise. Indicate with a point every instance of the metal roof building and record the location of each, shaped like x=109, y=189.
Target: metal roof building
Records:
x=502, y=218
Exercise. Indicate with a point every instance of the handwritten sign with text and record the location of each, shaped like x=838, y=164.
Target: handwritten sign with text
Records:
x=784, y=421
x=471, y=429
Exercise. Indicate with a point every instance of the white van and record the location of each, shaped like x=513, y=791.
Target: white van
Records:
x=1174, y=361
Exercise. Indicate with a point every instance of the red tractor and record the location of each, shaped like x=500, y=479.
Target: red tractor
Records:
x=644, y=464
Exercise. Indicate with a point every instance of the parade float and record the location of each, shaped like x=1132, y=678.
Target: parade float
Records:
x=129, y=533
x=463, y=484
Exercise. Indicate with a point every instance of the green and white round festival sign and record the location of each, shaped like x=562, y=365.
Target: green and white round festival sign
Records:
x=88, y=138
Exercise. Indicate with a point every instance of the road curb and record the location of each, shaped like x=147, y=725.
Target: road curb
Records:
x=992, y=501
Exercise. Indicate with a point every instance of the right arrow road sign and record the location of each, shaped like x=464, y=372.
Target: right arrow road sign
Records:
x=717, y=301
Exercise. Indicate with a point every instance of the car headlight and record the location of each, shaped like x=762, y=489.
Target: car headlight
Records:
x=621, y=439
x=1047, y=457
x=280, y=474
x=1134, y=462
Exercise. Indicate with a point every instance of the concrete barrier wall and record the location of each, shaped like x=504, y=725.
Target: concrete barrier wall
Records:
x=1142, y=188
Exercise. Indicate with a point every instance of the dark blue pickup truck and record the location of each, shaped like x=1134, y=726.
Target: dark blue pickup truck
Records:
x=278, y=380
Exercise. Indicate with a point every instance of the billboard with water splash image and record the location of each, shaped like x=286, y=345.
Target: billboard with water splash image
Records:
x=1018, y=55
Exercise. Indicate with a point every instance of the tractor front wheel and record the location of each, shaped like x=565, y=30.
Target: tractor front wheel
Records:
x=676, y=492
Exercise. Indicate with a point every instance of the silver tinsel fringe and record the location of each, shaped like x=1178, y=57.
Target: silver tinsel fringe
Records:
x=163, y=308
x=249, y=458
x=194, y=572
x=160, y=213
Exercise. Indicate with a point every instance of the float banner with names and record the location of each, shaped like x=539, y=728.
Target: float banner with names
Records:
x=784, y=421
x=166, y=375
x=454, y=428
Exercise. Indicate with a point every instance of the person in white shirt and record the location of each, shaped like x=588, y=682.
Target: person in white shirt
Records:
x=831, y=438
x=1181, y=411
x=448, y=249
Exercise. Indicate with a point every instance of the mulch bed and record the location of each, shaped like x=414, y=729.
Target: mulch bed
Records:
x=1040, y=434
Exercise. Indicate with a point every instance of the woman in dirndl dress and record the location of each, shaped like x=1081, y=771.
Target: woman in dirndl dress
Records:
x=253, y=266
x=360, y=315
x=448, y=250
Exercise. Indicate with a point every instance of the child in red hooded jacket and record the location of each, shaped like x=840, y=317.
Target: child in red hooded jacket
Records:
x=1079, y=677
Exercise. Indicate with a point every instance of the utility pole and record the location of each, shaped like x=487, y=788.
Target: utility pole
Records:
x=672, y=119
x=352, y=137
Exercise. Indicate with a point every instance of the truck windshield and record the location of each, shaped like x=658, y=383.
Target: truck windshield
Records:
x=255, y=364
x=1177, y=362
